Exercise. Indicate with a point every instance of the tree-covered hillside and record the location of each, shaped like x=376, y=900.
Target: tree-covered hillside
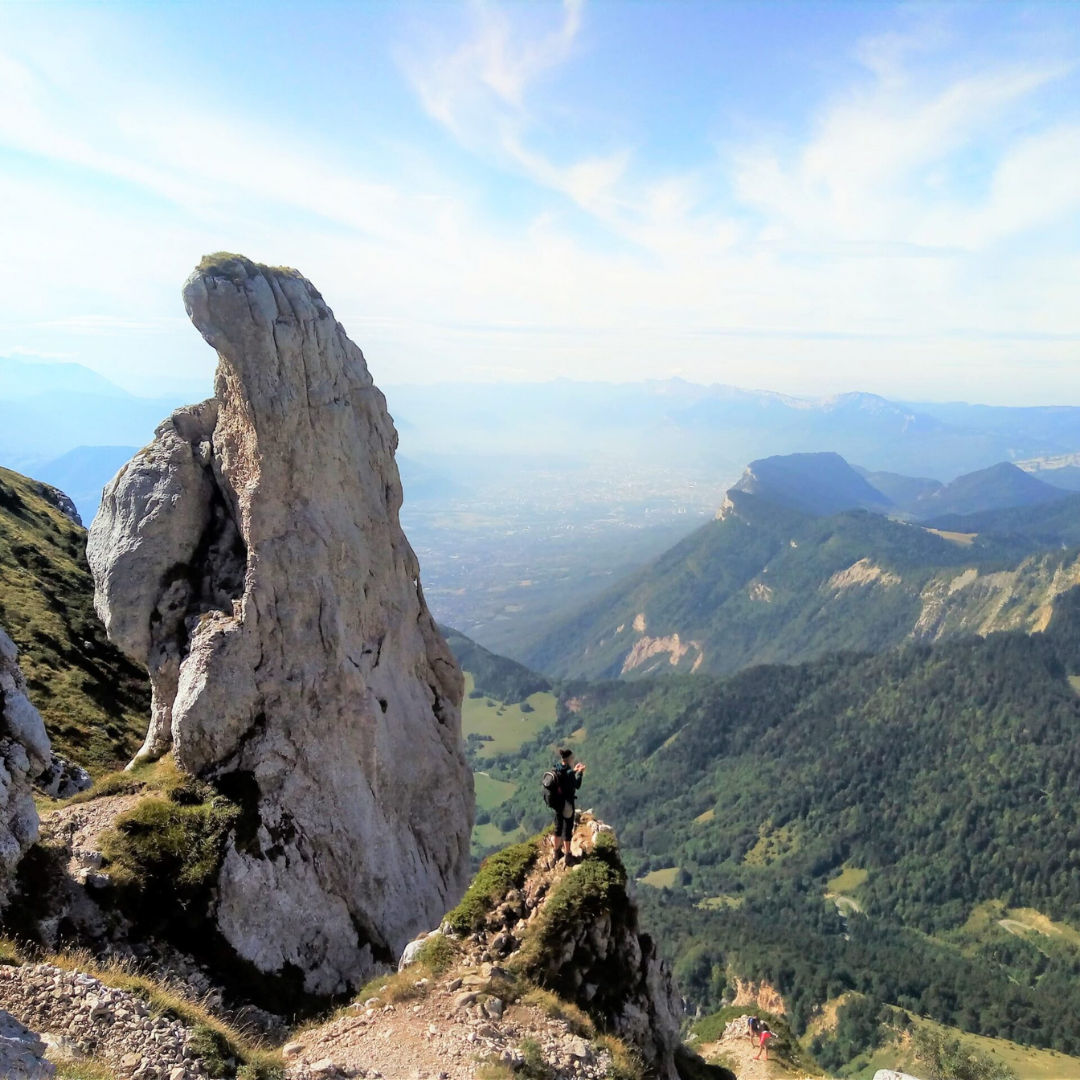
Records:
x=846, y=824
x=765, y=584
x=95, y=702
x=1020, y=528
x=493, y=675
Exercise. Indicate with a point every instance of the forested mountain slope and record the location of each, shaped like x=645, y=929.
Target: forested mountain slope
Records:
x=1019, y=528
x=903, y=825
x=492, y=674
x=766, y=584
x=95, y=703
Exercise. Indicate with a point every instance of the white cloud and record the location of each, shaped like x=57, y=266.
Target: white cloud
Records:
x=855, y=258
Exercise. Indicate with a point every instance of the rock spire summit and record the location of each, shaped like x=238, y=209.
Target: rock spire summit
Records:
x=252, y=558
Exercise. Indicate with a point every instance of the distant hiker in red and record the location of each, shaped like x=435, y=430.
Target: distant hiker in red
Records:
x=765, y=1036
x=560, y=792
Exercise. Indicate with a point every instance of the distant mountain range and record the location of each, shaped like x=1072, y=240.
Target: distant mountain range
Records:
x=462, y=437
x=795, y=566
x=81, y=473
x=48, y=411
x=718, y=428
x=823, y=484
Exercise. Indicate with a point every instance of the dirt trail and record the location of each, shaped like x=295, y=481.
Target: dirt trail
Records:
x=735, y=1050
x=438, y=1036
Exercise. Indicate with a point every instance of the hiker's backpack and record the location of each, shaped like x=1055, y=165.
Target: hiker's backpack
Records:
x=553, y=795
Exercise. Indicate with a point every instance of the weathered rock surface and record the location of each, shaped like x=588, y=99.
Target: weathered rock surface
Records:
x=252, y=558
x=24, y=755
x=61, y=778
x=62, y=502
x=22, y=1053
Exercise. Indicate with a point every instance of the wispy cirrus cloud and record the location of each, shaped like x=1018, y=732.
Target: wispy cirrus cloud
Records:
x=915, y=209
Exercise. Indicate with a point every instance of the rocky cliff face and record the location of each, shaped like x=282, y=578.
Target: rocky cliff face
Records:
x=24, y=755
x=251, y=557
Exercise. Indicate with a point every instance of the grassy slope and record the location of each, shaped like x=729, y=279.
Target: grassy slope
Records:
x=1028, y=1062
x=507, y=725
x=752, y=588
x=95, y=703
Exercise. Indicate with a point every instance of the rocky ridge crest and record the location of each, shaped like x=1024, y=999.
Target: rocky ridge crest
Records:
x=541, y=964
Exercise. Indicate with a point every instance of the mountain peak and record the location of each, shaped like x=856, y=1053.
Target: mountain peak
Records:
x=818, y=483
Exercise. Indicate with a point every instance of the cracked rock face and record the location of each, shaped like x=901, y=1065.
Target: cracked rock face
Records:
x=251, y=557
x=24, y=755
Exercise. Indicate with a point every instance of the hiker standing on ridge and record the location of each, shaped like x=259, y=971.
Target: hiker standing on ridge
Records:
x=560, y=792
x=765, y=1036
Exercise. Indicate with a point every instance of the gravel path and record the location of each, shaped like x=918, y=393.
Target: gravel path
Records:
x=448, y=1034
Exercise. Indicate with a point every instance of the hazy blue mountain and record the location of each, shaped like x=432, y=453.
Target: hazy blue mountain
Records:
x=901, y=491
x=998, y=487
x=41, y=428
x=24, y=379
x=1024, y=424
x=82, y=473
x=1062, y=472
x=719, y=428
x=1067, y=477
x=819, y=484
x=824, y=484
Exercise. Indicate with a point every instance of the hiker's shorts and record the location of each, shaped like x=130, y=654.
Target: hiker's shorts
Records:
x=564, y=826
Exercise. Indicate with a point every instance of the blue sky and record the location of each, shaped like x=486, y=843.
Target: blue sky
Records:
x=804, y=197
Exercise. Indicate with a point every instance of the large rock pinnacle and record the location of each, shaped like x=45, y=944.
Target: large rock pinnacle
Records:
x=252, y=558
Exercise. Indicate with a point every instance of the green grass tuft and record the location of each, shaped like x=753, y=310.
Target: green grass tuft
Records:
x=437, y=955
x=590, y=888
x=239, y=268
x=159, y=843
x=498, y=874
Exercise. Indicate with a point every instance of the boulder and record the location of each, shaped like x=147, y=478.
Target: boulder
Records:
x=22, y=1053
x=24, y=754
x=62, y=778
x=251, y=557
